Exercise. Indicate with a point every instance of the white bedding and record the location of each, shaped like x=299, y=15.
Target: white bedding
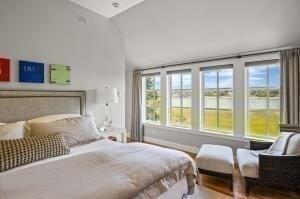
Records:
x=102, y=169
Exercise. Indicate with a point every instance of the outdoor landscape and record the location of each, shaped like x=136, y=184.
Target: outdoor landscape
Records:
x=262, y=104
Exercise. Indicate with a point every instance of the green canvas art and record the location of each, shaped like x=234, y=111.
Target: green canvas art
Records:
x=60, y=74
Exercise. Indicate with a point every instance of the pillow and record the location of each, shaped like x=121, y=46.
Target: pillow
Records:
x=2, y=123
x=52, y=118
x=12, y=131
x=48, y=118
x=18, y=152
x=280, y=145
x=293, y=147
x=76, y=130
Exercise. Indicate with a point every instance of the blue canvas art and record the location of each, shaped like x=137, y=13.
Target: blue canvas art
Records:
x=31, y=72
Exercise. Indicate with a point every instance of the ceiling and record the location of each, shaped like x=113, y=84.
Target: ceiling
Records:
x=105, y=8
x=166, y=31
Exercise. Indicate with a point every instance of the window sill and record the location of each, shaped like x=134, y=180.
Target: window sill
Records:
x=199, y=132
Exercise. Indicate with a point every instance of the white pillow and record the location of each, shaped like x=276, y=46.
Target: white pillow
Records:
x=52, y=118
x=76, y=130
x=293, y=147
x=2, y=123
x=280, y=144
x=12, y=131
x=48, y=118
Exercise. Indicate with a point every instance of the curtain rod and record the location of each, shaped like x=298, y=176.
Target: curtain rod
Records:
x=236, y=56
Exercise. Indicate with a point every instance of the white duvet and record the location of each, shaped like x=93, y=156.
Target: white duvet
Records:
x=102, y=169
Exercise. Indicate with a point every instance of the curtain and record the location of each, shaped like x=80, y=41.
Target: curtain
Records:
x=290, y=80
x=137, y=133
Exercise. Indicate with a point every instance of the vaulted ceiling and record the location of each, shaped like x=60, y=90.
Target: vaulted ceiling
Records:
x=105, y=7
x=165, y=31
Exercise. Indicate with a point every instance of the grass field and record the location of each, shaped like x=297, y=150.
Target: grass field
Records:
x=257, y=125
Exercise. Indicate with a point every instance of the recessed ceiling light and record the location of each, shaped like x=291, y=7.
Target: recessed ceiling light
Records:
x=115, y=4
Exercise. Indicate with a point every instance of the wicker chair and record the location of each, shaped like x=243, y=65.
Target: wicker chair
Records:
x=276, y=171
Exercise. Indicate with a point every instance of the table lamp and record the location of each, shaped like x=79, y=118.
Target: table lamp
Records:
x=107, y=96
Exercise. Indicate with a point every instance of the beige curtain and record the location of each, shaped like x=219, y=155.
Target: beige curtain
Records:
x=290, y=80
x=136, y=116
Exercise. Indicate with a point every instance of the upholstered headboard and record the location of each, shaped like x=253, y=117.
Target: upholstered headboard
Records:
x=21, y=105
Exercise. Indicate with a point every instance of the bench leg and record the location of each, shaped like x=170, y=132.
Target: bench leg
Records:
x=231, y=184
x=247, y=187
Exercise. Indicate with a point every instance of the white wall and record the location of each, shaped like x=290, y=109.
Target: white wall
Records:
x=49, y=31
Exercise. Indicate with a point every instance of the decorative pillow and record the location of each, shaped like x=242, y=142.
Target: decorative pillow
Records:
x=293, y=147
x=18, y=152
x=48, y=118
x=52, y=118
x=12, y=131
x=280, y=144
x=76, y=130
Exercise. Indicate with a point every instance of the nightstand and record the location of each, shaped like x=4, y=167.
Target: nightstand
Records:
x=120, y=133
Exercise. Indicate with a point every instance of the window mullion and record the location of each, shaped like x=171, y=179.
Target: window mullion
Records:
x=268, y=101
x=218, y=100
x=202, y=93
x=181, y=101
x=170, y=100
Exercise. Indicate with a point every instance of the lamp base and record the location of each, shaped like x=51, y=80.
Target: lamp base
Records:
x=107, y=121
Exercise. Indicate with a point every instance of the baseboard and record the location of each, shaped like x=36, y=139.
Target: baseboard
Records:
x=173, y=145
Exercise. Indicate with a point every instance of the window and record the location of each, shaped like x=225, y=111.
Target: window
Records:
x=217, y=98
x=180, y=98
x=151, y=98
x=263, y=104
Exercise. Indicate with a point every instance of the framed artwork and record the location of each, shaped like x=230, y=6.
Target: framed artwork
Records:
x=60, y=74
x=31, y=72
x=4, y=70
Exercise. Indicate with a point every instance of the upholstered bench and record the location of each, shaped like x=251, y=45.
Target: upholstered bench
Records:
x=216, y=160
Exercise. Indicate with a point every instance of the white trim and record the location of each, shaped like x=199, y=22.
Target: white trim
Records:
x=198, y=132
x=173, y=145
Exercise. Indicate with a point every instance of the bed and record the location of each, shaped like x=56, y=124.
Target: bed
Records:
x=99, y=169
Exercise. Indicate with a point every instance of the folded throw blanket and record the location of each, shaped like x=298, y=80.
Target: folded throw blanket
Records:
x=278, y=147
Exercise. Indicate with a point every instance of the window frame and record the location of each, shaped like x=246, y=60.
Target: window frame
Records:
x=169, y=94
x=144, y=99
x=202, y=99
x=239, y=96
x=247, y=99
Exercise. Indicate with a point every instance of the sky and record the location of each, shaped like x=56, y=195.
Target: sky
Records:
x=257, y=78
x=225, y=79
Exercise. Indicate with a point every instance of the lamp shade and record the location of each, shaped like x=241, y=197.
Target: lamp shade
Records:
x=107, y=96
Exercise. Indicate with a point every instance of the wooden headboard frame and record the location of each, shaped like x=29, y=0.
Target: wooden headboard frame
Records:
x=22, y=105
x=289, y=128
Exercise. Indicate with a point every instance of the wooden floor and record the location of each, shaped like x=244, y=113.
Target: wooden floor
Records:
x=216, y=188
x=211, y=187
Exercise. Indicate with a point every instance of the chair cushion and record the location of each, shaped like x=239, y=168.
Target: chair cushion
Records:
x=215, y=158
x=248, y=163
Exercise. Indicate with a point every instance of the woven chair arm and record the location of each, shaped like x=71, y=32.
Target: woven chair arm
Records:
x=259, y=145
x=283, y=169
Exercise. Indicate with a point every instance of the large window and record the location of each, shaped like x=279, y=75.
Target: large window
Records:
x=217, y=98
x=263, y=104
x=236, y=97
x=151, y=85
x=180, y=98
